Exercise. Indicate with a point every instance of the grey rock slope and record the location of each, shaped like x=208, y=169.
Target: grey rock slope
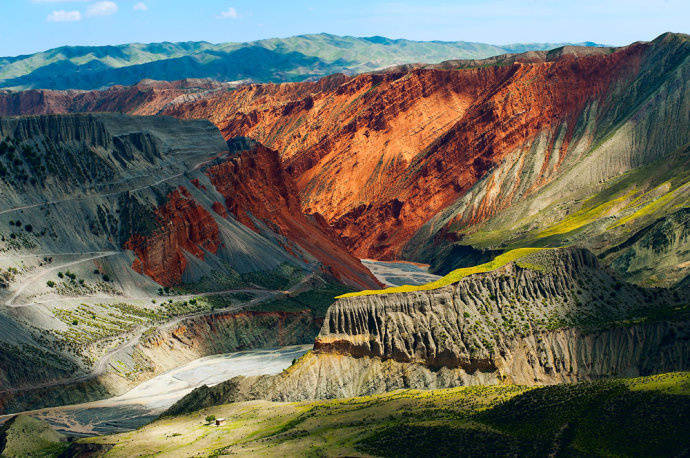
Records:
x=657, y=254
x=100, y=212
x=561, y=319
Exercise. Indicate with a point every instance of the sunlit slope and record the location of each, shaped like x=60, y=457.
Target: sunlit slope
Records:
x=276, y=59
x=642, y=416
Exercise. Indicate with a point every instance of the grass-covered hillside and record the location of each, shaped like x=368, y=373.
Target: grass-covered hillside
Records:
x=277, y=59
x=645, y=416
x=458, y=274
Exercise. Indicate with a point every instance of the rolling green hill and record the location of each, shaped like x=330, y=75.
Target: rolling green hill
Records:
x=272, y=60
x=643, y=416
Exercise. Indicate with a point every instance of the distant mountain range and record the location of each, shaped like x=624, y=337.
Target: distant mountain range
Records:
x=296, y=58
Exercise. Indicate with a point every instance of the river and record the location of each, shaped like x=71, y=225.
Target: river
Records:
x=148, y=400
x=398, y=273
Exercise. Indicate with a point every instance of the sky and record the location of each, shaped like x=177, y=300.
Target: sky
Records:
x=28, y=26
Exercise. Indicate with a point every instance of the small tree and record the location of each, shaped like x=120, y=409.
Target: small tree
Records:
x=50, y=283
x=210, y=418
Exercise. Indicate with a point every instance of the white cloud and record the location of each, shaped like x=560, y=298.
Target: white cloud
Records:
x=64, y=16
x=230, y=13
x=141, y=6
x=101, y=9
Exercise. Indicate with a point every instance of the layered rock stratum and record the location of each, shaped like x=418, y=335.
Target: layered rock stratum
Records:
x=421, y=161
x=553, y=316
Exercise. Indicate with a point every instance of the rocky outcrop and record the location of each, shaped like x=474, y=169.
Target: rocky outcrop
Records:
x=467, y=324
x=100, y=212
x=562, y=356
x=621, y=169
x=183, y=227
x=399, y=161
x=408, y=143
x=559, y=318
x=143, y=184
x=658, y=254
x=256, y=187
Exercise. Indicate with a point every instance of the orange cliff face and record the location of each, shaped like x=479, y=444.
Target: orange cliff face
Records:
x=255, y=185
x=183, y=226
x=379, y=154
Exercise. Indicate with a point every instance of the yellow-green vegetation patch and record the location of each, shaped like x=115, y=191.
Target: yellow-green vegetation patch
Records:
x=661, y=203
x=645, y=416
x=647, y=192
x=458, y=274
x=585, y=216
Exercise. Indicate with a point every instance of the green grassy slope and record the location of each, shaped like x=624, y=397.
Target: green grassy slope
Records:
x=24, y=436
x=645, y=416
x=456, y=275
x=276, y=59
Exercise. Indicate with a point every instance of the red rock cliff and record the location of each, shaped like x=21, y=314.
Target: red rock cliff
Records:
x=183, y=226
x=379, y=154
x=255, y=184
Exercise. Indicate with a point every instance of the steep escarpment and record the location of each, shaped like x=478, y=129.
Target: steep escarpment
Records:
x=558, y=318
x=626, y=166
x=411, y=161
x=410, y=142
x=184, y=226
x=137, y=184
x=469, y=324
x=255, y=186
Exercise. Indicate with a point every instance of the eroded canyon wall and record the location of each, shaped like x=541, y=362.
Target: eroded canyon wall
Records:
x=559, y=318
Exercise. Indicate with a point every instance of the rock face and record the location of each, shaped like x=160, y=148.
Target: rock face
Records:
x=469, y=323
x=555, y=357
x=597, y=189
x=561, y=319
x=408, y=161
x=185, y=226
x=256, y=187
x=139, y=181
x=380, y=154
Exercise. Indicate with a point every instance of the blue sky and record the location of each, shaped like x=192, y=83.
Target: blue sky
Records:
x=33, y=25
